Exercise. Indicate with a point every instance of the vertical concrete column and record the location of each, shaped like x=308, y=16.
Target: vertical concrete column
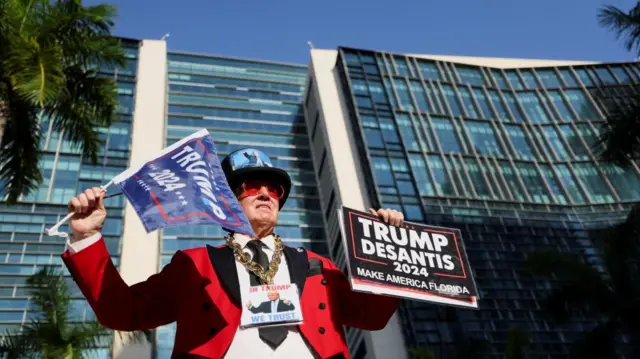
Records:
x=140, y=251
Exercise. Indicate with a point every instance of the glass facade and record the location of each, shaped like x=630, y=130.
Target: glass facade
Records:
x=23, y=246
x=244, y=103
x=502, y=154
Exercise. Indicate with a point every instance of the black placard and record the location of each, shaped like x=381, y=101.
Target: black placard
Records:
x=414, y=260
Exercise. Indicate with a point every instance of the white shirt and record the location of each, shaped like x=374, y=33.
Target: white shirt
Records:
x=247, y=342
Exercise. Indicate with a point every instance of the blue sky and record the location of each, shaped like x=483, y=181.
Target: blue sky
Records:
x=278, y=30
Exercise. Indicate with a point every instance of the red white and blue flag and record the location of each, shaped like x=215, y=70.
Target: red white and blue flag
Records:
x=183, y=184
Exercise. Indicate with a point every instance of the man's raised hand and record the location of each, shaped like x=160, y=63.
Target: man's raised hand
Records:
x=89, y=213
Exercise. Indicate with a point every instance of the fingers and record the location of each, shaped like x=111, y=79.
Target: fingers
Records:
x=388, y=215
x=87, y=201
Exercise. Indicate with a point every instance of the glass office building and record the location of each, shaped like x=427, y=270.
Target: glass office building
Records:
x=499, y=148
x=23, y=246
x=243, y=103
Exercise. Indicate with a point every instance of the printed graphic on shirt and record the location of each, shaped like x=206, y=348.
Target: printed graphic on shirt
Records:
x=271, y=305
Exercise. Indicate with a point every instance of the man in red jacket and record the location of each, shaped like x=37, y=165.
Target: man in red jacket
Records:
x=203, y=289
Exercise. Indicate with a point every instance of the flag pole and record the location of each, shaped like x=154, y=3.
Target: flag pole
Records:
x=53, y=231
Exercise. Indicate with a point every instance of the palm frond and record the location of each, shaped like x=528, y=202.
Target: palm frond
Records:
x=17, y=346
x=563, y=265
x=619, y=142
x=19, y=151
x=624, y=25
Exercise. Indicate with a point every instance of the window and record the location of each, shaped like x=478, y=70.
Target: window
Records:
x=533, y=182
x=552, y=181
x=382, y=170
x=483, y=138
x=377, y=92
x=501, y=83
x=582, y=105
x=403, y=94
x=482, y=188
x=429, y=70
x=419, y=169
x=533, y=107
x=515, y=110
x=529, y=79
x=407, y=132
x=389, y=132
x=420, y=96
x=392, y=97
x=520, y=141
x=446, y=134
x=514, y=80
x=621, y=74
x=483, y=101
x=452, y=99
x=511, y=178
x=470, y=75
x=574, y=142
x=554, y=140
x=605, y=76
x=443, y=183
x=503, y=114
x=467, y=100
x=594, y=183
x=549, y=78
x=584, y=77
x=626, y=182
x=561, y=106
x=401, y=65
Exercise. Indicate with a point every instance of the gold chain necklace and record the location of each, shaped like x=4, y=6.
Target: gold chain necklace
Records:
x=266, y=276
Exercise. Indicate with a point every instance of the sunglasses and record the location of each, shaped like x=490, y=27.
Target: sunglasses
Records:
x=253, y=187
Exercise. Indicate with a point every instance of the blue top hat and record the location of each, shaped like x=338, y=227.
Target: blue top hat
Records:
x=249, y=163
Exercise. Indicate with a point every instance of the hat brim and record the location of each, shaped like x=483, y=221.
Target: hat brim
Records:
x=276, y=175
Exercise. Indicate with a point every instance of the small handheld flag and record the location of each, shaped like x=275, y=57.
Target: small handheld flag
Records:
x=182, y=185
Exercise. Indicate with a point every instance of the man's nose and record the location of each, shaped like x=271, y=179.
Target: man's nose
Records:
x=263, y=191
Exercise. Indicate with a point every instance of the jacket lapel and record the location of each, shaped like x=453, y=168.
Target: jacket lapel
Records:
x=224, y=264
x=298, y=264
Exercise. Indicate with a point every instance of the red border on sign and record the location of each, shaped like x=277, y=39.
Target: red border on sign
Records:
x=455, y=239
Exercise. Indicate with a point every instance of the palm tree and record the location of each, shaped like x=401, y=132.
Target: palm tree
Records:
x=608, y=293
x=49, y=55
x=51, y=335
x=619, y=143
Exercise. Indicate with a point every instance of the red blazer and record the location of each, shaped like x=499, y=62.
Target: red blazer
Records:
x=199, y=290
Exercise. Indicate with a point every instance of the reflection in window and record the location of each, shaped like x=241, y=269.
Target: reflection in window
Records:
x=374, y=138
x=420, y=96
x=443, y=184
x=408, y=134
x=403, y=94
x=382, y=170
x=621, y=74
x=460, y=178
x=401, y=65
x=529, y=79
x=483, y=101
x=452, y=100
x=549, y=78
x=533, y=182
x=533, y=107
x=446, y=134
x=552, y=181
x=520, y=141
x=625, y=182
x=514, y=80
x=582, y=74
x=468, y=102
x=389, y=132
x=515, y=110
x=377, y=92
x=561, y=105
x=413, y=213
x=605, y=76
x=589, y=136
x=500, y=80
x=568, y=78
x=574, y=142
x=582, y=105
x=503, y=114
x=511, y=178
x=483, y=138
x=482, y=188
x=419, y=168
x=595, y=185
x=429, y=70
x=392, y=97
x=554, y=140
x=470, y=75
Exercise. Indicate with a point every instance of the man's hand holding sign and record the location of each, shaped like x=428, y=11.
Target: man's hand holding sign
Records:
x=252, y=297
